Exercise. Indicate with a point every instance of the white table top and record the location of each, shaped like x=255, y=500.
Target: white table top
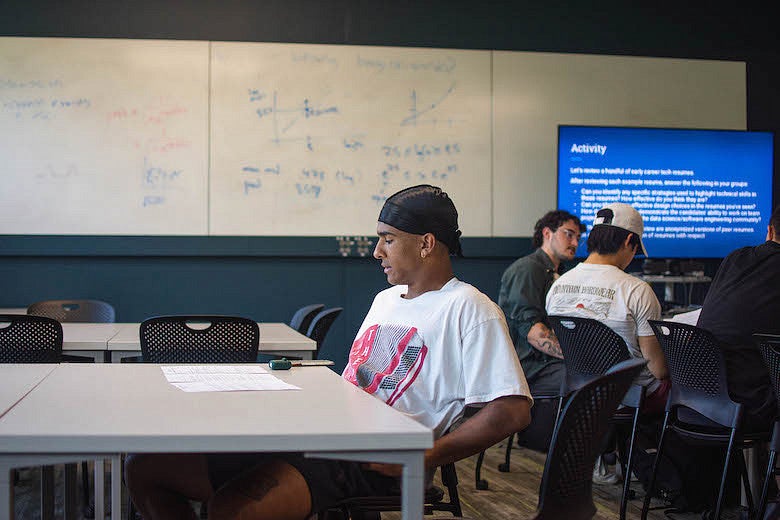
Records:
x=13, y=310
x=88, y=336
x=112, y=408
x=17, y=380
x=273, y=336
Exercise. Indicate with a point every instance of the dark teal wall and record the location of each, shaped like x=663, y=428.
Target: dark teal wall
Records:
x=268, y=278
x=265, y=278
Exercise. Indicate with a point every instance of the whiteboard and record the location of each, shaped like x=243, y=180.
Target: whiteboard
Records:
x=103, y=136
x=150, y=137
x=311, y=139
x=533, y=93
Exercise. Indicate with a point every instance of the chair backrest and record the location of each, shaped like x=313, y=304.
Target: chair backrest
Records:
x=565, y=490
x=29, y=339
x=199, y=339
x=85, y=311
x=769, y=345
x=302, y=318
x=320, y=325
x=697, y=371
x=589, y=348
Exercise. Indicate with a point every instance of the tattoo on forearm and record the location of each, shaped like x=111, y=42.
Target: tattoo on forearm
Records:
x=548, y=344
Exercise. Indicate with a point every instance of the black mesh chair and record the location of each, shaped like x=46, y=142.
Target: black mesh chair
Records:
x=590, y=349
x=769, y=345
x=699, y=408
x=566, y=487
x=435, y=499
x=84, y=311
x=33, y=339
x=199, y=339
x=30, y=339
x=320, y=326
x=303, y=317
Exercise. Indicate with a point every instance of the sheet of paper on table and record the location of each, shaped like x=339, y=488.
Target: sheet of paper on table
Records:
x=223, y=378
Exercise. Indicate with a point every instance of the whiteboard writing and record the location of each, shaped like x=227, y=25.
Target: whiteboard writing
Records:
x=311, y=139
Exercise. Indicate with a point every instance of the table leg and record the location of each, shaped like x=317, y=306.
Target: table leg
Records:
x=669, y=291
x=6, y=492
x=116, y=487
x=412, y=485
x=100, y=493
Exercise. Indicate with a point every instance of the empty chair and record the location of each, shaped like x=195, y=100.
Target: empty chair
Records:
x=769, y=345
x=590, y=349
x=30, y=339
x=33, y=339
x=199, y=339
x=303, y=317
x=566, y=487
x=699, y=408
x=320, y=326
x=85, y=311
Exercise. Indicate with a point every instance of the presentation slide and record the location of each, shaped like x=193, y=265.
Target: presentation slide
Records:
x=702, y=193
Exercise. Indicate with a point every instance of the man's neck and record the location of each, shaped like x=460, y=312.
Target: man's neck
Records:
x=599, y=259
x=430, y=282
x=554, y=259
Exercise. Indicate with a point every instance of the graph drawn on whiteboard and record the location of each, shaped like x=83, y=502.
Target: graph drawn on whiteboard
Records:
x=310, y=140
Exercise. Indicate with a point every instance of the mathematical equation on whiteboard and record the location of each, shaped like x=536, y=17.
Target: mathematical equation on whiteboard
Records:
x=361, y=163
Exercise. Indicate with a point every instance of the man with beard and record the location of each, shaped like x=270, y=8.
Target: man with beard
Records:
x=524, y=287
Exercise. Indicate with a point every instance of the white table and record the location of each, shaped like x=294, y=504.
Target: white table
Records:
x=131, y=408
x=13, y=310
x=89, y=339
x=120, y=340
x=16, y=381
x=278, y=339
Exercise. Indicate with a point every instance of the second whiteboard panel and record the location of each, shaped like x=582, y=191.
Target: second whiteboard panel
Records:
x=309, y=139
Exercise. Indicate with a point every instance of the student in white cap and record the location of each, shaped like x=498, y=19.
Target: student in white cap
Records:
x=600, y=288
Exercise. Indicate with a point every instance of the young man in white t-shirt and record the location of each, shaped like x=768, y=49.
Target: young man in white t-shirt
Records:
x=599, y=288
x=429, y=346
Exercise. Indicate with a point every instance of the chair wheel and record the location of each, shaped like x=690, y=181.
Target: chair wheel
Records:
x=482, y=485
x=503, y=467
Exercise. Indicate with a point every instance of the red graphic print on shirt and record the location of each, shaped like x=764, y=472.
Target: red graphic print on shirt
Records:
x=386, y=358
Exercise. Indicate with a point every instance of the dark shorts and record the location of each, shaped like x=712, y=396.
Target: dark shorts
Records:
x=329, y=481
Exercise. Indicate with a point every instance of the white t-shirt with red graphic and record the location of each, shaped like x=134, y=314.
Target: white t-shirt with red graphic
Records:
x=432, y=355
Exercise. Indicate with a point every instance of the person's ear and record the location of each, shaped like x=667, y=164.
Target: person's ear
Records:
x=547, y=234
x=627, y=242
x=771, y=233
x=427, y=243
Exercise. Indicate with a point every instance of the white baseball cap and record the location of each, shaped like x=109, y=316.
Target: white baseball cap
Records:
x=623, y=216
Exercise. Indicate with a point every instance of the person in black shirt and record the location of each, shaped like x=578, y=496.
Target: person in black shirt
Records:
x=743, y=299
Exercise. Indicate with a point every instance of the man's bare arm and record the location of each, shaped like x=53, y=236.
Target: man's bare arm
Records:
x=543, y=339
x=494, y=422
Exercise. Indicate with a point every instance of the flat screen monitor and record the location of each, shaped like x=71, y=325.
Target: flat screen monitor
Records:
x=701, y=193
